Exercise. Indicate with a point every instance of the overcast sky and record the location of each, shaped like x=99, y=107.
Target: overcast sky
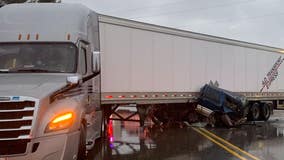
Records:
x=257, y=21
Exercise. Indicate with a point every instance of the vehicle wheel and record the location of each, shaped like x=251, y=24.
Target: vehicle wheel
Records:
x=82, y=143
x=254, y=112
x=264, y=112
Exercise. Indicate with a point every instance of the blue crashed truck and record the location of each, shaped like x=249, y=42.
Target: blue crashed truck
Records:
x=230, y=108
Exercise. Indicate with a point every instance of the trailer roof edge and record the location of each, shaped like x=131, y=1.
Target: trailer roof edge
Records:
x=184, y=33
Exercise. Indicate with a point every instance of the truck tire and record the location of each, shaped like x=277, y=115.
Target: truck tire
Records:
x=82, y=143
x=264, y=112
x=254, y=112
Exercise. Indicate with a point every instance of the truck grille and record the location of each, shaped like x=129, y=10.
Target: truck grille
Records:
x=15, y=126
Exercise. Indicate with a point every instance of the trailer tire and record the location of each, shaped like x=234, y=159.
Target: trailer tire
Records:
x=82, y=143
x=254, y=112
x=265, y=112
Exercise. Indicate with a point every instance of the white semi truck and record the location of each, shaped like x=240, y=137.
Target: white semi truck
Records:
x=65, y=69
x=49, y=82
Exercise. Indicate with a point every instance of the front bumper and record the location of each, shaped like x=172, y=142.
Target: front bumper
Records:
x=58, y=147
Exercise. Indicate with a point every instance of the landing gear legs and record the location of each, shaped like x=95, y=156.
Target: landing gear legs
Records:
x=142, y=112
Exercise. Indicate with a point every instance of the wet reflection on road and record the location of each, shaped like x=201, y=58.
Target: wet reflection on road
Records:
x=127, y=140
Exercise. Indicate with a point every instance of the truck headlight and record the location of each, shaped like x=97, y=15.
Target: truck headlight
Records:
x=61, y=121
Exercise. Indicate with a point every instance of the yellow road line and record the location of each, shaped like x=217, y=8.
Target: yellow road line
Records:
x=229, y=144
x=219, y=144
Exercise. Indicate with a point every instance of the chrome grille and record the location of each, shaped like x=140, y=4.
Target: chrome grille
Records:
x=15, y=126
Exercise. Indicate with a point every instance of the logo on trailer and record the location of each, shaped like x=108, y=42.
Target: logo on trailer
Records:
x=272, y=74
x=16, y=98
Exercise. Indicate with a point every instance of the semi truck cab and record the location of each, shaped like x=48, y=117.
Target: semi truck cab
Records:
x=49, y=81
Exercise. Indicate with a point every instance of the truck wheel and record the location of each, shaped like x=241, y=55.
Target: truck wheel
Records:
x=82, y=143
x=254, y=112
x=264, y=112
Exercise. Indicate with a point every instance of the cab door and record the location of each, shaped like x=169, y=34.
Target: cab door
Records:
x=91, y=85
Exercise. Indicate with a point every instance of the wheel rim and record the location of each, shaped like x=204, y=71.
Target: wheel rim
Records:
x=265, y=111
x=255, y=111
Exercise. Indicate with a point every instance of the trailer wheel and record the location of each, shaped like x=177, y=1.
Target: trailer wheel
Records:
x=264, y=112
x=82, y=143
x=254, y=112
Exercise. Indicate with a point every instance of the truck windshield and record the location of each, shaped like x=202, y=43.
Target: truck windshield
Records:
x=37, y=57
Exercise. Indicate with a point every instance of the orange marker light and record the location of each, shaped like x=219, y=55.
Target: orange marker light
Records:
x=28, y=37
x=62, y=121
x=20, y=37
x=68, y=37
x=63, y=117
x=37, y=36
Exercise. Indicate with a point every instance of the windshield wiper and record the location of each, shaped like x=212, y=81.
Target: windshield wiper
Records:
x=29, y=70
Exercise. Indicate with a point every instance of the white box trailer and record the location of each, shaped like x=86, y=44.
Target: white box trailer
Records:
x=149, y=64
x=144, y=58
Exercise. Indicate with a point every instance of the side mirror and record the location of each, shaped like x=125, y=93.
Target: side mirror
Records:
x=74, y=80
x=96, y=62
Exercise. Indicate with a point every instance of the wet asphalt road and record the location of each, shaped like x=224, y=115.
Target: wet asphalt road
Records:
x=253, y=141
